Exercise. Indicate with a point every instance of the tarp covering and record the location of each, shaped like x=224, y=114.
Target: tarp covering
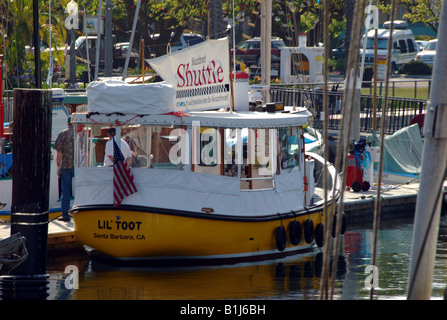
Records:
x=117, y=96
x=403, y=151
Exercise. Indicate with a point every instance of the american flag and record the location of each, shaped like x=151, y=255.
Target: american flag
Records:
x=123, y=185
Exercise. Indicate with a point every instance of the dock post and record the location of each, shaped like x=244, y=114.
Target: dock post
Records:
x=30, y=192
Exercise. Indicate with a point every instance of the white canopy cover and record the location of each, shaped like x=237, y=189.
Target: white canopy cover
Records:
x=117, y=96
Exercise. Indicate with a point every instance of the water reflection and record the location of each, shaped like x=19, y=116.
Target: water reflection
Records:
x=284, y=279
x=393, y=258
x=296, y=277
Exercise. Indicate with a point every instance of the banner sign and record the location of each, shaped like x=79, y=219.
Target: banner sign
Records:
x=200, y=74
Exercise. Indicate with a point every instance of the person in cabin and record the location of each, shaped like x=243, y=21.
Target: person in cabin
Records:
x=64, y=146
x=125, y=149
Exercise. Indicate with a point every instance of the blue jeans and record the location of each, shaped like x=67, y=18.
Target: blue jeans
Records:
x=66, y=184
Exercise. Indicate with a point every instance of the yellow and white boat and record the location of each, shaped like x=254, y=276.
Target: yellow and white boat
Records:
x=212, y=185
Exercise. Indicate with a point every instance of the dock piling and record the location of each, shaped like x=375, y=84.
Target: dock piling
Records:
x=30, y=192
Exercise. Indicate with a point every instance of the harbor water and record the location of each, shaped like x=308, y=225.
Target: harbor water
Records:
x=293, y=278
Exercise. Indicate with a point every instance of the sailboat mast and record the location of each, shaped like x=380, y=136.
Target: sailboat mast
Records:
x=98, y=40
x=132, y=35
x=266, y=45
x=428, y=203
x=108, y=40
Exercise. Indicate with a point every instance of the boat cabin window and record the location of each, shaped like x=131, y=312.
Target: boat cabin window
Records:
x=289, y=139
x=247, y=154
x=164, y=154
x=206, y=153
x=150, y=145
x=252, y=155
x=260, y=162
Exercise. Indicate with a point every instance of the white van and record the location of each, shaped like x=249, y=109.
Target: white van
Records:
x=404, y=46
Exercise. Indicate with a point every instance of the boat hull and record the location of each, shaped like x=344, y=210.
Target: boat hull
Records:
x=132, y=235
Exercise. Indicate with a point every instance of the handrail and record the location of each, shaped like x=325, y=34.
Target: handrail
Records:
x=334, y=193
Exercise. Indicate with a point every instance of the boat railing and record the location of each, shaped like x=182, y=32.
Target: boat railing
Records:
x=334, y=185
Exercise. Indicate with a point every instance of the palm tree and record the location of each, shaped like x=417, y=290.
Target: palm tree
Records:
x=217, y=25
x=57, y=35
x=18, y=28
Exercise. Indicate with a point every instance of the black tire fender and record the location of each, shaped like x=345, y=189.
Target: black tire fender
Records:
x=309, y=231
x=280, y=238
x=343, y=224
x=295, y=232
x=319, y=234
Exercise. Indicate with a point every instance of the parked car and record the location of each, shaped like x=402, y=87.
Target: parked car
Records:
x=121, y=50
x=339, y=52
x=428, y=54
x=421, y=44
x=187, y=40
x=249, y=52
x=404, y=47
x=83, y=43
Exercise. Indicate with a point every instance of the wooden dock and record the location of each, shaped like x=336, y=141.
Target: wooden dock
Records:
x=61, y=235
x=396, y=201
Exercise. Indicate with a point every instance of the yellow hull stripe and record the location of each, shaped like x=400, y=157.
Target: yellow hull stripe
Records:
x=135, y=234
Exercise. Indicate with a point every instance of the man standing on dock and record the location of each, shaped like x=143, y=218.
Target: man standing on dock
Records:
x=64, y=146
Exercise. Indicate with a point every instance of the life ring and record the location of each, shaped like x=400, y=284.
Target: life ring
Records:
x=319, y=234
x=280, y=238
x=306, y=184
x=309, y=231
x=295, y=232
x=343, y=224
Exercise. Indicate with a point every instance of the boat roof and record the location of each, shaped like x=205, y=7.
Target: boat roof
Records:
x=253, y=119
x=220, y=119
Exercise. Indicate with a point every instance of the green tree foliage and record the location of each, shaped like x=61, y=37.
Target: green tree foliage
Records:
x=160, y=22
x=17, y=25
x=160, y=18
x=425, y=11
x=293, y=17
